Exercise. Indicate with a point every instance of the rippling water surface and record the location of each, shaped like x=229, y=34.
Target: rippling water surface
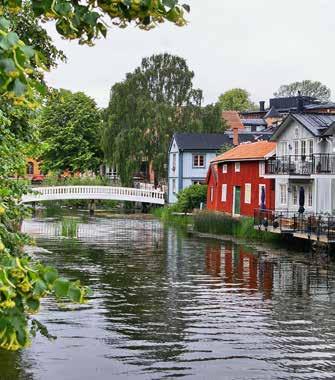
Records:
x=167, y=305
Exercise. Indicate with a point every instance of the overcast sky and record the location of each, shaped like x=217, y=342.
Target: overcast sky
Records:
x=254, y=44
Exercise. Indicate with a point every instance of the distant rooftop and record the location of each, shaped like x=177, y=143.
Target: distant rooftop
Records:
x=201, y=141
x=291, y=102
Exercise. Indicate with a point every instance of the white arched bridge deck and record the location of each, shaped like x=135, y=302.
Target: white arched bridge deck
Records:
x=55, y=193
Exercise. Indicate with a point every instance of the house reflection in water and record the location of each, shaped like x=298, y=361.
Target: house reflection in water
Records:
x=239, y=268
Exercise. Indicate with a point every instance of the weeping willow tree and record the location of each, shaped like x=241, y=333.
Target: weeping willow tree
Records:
x=24, y=57
x=144, y=111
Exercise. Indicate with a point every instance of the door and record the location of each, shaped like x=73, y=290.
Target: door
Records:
x=237, y=200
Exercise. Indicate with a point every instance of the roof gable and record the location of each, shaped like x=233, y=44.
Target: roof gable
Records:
x=316, y=124
x=250, y=151
x=201, y=141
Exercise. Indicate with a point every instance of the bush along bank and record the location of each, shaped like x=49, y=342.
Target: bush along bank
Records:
x=216, y=223
x=168, y=215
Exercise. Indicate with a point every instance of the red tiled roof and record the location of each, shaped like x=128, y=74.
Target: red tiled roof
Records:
x=250, y=151
x=233, y=119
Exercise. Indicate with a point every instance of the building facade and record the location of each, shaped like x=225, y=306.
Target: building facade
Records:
x=236, y=180
x=305, y=161
x=190, y=155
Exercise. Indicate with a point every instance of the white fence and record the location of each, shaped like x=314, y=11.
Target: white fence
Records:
x=54, y=193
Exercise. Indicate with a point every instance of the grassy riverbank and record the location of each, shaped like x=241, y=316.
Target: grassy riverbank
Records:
x=220, y=224
x=216, y=223
x=167, y=215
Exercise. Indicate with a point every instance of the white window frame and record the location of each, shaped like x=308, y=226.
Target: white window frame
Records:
x=283, y=148
x=224, y=193
x=303, y=147
x=310, y=147
x=296, y=148
x=174, y=162
x=247, y=193
x=261, y=168
x=309, y=196
x=295, y=195
x=196, y=157
x=174, y=186
x=260, y=193
x=283, y=193
x=212, y=194
x=225, y=168
x=237, y=167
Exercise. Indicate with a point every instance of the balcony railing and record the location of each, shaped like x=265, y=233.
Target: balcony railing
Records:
x=302, y=165
x=306, y=225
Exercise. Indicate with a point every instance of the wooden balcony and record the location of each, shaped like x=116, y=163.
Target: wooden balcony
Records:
x=301, y=165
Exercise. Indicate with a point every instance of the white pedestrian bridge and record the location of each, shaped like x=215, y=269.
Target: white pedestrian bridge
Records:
x=55, y=193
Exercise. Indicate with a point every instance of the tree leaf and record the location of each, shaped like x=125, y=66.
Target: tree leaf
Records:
x=61, y=287
x=19, y=88
x=74, y=294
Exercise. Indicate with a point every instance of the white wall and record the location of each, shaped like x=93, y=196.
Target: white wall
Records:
x=173, y=174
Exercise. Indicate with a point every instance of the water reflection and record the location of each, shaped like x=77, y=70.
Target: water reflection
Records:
x=170, y=305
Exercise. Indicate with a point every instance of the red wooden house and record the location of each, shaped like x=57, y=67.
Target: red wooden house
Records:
x=235, y=180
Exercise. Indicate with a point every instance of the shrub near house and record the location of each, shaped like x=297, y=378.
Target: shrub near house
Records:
x=191, y=198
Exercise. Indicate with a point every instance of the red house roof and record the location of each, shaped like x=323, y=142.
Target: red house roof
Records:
x=249, y=151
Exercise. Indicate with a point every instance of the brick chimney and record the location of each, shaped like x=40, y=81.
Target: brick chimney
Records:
x=235, y=136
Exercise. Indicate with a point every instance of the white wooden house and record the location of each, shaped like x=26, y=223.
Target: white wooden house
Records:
x=305, y=157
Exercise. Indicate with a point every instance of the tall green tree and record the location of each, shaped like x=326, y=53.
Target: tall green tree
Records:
x=144, y=111
x=311, y=88
x=23, y=281
x=211, y=119
x=236, y=99
x=70, y=128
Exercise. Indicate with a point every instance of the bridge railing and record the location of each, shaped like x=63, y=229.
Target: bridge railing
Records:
x=93, y=192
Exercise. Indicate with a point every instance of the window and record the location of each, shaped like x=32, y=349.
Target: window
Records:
x=296, y=148
x=237, y=167
x=174, y=186
x=295, y=195
x=310, y=196
x=224, y=193
x=283, y=194
x=198, y=160
x=261, y=168
x=310, y=147
x=260, y=193
x=30, y=168
x=296, y=132
x=212, y=194
x=303, y=147
x=247, y=193
x=174, y=162
x=224, y=168
x=283, y=148
x=198, y=182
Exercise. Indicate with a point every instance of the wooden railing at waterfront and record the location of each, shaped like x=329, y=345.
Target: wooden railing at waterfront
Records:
x=306, y=225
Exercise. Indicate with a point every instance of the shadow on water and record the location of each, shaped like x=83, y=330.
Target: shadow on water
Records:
x=169, y=305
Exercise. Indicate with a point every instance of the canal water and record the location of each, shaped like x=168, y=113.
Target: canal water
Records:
x=169, y=305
